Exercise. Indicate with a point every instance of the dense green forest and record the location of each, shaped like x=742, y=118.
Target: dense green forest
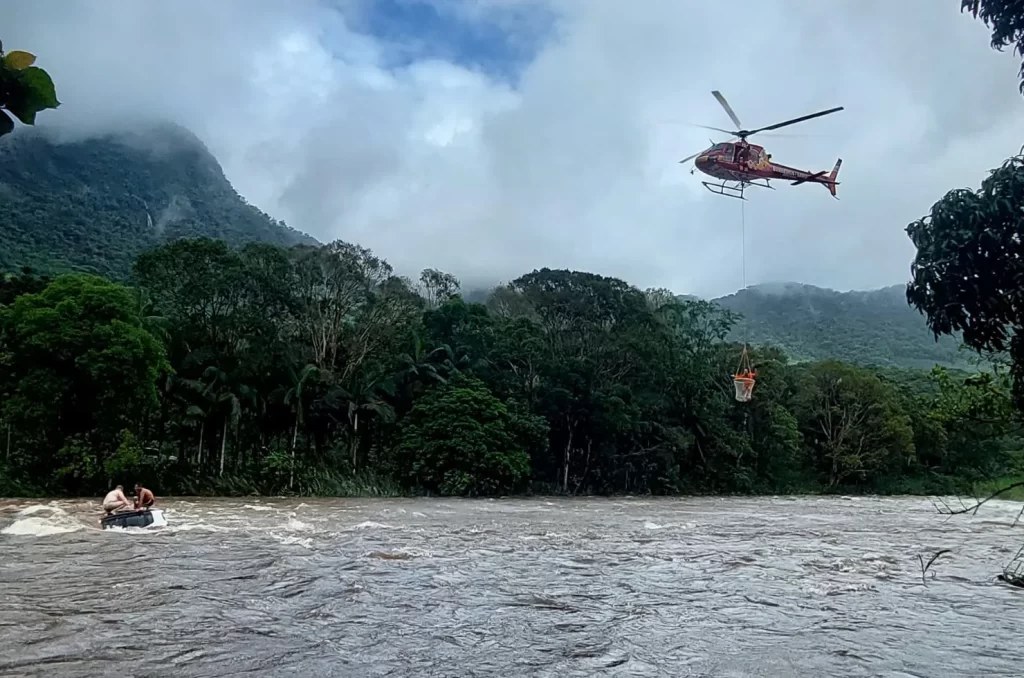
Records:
x=96, y=204
x=316, y=370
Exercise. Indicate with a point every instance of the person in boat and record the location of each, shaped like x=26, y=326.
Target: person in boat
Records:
x=116, y=501
x=143, y=498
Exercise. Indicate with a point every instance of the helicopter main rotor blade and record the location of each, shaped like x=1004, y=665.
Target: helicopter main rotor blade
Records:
x=689, y=158
x=790, y=135
x=796, y=120
x=728, y=109
x=718, y=129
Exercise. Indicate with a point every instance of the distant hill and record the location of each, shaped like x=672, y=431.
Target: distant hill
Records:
x=876, y=328
x=95, y=204
x=868, y=328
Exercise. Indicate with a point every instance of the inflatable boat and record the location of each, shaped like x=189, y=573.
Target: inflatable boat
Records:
x=146, y=518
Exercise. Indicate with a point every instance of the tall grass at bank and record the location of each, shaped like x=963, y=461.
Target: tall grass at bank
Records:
x=987, y=488
x=315, y=482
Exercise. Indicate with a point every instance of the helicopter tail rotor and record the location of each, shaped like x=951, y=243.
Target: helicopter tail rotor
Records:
x=832, y=179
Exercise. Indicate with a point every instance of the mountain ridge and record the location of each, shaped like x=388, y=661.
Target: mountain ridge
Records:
x=94, y=204
x=868, y=327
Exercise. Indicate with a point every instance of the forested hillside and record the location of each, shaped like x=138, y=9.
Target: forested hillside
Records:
x=96, y=204
x=866, y=328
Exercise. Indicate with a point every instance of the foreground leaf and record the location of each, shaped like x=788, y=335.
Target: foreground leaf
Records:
x=18, y=60
x=31, y=91
x=42, y=86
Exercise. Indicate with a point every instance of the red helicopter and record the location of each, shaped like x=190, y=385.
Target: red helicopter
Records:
x=738, y=164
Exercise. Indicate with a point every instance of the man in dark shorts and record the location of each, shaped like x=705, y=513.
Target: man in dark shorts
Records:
x=143, y=498
x=116, y=501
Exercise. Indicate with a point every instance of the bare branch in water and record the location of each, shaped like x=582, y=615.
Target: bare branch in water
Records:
x=1013, y=573
x=924, y=567
x=946, y=509
x=1018, y=517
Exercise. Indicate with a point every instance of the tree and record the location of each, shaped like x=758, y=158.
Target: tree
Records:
x=199, y=285
x=437, y=287
x=349, y=305
x=689, y=375
x=25, y=90
x=230, y=396
x=975, y=413
x=461, y=440
x=295, y=397
x=1006, y=19
x=26, y=282
x=966, y=276
x=852, y=423
x=79, y=368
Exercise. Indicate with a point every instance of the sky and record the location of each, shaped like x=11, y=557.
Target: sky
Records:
x=488, y=138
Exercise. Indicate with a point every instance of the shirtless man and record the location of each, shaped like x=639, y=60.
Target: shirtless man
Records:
x=143, y=497
x=115, y=500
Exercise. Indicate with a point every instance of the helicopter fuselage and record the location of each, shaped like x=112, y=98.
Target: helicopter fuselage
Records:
x=727, y=161
x=744, y=163
x=738, y=163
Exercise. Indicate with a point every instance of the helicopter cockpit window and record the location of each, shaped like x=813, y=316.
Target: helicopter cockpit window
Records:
x=725, y=149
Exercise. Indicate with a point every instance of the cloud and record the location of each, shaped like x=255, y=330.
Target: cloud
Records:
x=491, y=137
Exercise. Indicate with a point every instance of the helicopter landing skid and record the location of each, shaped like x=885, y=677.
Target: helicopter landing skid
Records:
x=734, y=189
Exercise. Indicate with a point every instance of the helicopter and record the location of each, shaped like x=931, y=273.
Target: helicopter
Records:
x=738, y=164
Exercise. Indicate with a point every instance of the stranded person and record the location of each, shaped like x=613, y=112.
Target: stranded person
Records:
x=143, y=497
x=115, y=500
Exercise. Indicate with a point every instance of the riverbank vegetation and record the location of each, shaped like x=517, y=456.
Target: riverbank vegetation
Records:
x=316, y=370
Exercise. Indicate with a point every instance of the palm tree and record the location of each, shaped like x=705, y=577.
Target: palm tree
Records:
x=194, y=396
x=196, y=413
x=364, y=398
x=421, y=368
x=294, y=397
x=229, y=394
x=152, y=322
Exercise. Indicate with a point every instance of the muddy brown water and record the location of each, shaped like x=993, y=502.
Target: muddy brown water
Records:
x=540, y=587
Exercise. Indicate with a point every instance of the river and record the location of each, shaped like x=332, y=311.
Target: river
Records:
x=514, y=587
